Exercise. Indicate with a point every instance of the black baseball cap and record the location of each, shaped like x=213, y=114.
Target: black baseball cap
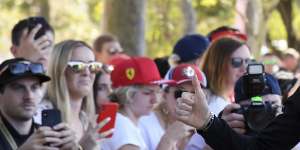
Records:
x=7, y=74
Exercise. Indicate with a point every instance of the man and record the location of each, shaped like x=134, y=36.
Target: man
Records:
x=282, y=133
x=33, y=39
x=106, y=46
x=20, y=93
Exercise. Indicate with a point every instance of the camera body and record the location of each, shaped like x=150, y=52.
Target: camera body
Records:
x=257, y=113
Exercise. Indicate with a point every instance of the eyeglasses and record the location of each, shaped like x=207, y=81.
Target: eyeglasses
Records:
x=113, y=51
x=23, y=67
x=78, y=66
x=107, y=68
x=237, y=62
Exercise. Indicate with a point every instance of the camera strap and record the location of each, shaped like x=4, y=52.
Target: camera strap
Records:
x=7, y=135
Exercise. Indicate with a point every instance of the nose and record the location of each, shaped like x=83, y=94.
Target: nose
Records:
x=86, y=71
x=28, y=94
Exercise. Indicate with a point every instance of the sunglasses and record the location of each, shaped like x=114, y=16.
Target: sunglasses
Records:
x=237, y=62
x=23, y=67
x=78, y=66
x=107, y=68
x=113, y=51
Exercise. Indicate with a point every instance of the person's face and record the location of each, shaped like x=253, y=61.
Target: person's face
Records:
x=42, y=56
x=108, y=50
x=241, y=54
x=20, y=98
x=271, y=63
x=143, y=100
x=103, y=89
x=80, y=83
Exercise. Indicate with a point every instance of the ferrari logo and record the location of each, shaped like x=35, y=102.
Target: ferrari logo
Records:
x=130, y=73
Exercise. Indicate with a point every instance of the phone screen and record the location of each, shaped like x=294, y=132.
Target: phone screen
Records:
x=108, y=110
x=51, y=117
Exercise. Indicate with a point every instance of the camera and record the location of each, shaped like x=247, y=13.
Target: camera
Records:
x=248, y=92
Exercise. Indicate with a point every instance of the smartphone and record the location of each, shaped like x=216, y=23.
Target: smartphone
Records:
x=51, y=117
x=108, y=110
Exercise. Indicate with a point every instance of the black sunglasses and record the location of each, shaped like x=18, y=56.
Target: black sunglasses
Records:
x=237, y=62
x=23, y=67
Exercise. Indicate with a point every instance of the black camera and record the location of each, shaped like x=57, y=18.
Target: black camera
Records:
x=248, y=92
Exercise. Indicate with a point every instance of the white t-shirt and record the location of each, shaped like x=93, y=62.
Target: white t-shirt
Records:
x=151, y=130
x=126, y=132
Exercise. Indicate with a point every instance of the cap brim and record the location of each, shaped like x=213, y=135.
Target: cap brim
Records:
x=41, y=77
x=163, y=81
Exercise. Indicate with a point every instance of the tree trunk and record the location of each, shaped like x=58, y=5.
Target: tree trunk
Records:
x=286, y=12
x=125, y=19
x=189, y=17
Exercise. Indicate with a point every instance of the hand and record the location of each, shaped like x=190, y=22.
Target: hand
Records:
x=234, y=120
x=192, y=109
x=67, y=136
x=91, y=136
x=179, y=127
x=39, y=139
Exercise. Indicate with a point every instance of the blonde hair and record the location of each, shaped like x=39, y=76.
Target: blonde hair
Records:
x=57, y=88
x=123, y=95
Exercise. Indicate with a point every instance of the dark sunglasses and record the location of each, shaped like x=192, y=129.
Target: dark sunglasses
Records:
x=237, y=62
x=78, y=66
x=23, y=67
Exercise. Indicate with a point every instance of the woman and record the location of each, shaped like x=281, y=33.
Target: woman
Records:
x=102, y=89
x=224, y=63
x=135, y=90
x=160, y=126
x=72, y=70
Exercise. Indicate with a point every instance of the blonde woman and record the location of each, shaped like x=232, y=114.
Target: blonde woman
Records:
x=135, y=89
x=72, y=70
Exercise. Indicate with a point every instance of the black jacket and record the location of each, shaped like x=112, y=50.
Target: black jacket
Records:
x=283, y=133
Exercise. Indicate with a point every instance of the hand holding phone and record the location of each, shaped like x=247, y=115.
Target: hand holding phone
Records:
x=108, y=110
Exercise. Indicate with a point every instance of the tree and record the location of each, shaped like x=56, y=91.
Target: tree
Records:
x=125, y=19
x=189, y=17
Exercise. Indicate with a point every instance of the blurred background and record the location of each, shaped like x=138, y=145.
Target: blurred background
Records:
x=152, y=27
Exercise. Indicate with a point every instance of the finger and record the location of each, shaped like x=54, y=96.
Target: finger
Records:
x=239, y=130
x=233, y=116
x=229, y=108
x=33, y=32
x=46, y=140
x=44, y=45
x=24, y=34
x=42, y=39
x=102, y=123
x=188, y=98
x=47, y=148
x=185, y=106
x=237, y=124
x=64, y=141
x=48, y=133
x=105, y=134
x=68, y=145
x=197, y=87
x=181, y=112
x=61, y=126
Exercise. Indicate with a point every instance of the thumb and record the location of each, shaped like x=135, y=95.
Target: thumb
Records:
x=229, y=108
x=200, y=97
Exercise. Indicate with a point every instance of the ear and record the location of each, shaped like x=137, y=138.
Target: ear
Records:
x=14, y=50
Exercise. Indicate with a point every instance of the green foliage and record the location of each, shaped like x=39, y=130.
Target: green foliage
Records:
x=275, y=27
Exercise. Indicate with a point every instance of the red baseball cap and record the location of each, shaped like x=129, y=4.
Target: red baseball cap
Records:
x=184, y=73
x=136, y=70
